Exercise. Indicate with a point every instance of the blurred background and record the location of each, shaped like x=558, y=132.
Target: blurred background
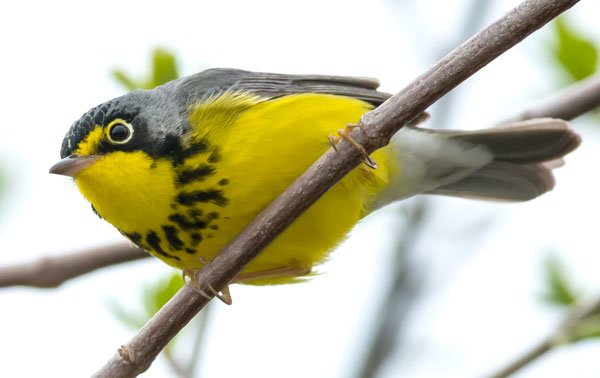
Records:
x=429, y=287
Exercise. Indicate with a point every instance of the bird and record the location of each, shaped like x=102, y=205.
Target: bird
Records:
x=181, y=169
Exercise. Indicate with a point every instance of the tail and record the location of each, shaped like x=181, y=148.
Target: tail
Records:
x=509, y=163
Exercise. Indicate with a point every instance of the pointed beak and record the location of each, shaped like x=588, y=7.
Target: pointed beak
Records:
x=73, y=164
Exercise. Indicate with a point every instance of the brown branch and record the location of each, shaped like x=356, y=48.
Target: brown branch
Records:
x=570, y=103
x=136, y=356
x=51, y=271
x=566, y=333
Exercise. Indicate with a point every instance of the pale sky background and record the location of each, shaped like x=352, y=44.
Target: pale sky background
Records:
x=484, y=260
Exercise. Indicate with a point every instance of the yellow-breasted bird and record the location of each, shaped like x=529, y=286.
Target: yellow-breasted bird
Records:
x=181, y=169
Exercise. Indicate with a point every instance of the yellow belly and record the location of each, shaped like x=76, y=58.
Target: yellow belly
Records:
x=252, y=156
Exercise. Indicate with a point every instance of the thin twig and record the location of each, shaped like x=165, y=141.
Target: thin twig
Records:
x=566, y=333
x=51, y=271
x=136, y=356
x=567, y=104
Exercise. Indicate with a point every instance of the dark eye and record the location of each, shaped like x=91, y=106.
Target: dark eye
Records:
x=120, y=132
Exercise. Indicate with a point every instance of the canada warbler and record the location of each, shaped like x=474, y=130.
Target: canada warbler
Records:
x=182, y=168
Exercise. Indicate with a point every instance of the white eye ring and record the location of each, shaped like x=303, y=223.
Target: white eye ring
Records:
x=119, y=131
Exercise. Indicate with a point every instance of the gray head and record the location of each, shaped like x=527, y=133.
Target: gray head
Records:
x=151, y=121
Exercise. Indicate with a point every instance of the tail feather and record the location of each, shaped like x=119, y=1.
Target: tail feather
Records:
x=509, y=163
x=524, y=155
x=502, y=181
x=531, y=141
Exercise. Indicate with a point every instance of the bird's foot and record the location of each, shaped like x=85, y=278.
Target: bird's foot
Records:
x=345, y=134
x=191, y=280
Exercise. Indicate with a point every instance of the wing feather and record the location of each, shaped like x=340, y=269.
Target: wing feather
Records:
x=268, y=85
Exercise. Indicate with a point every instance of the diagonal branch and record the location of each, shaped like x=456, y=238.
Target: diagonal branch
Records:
x=51, y=271
x=569, y=103
x=381, y=123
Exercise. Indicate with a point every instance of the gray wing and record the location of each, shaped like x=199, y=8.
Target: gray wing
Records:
x=271, y=85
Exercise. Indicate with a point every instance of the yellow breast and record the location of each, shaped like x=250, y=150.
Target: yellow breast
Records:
x=242, y=152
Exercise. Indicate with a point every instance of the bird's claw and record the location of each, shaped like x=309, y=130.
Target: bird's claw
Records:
x=344, y=134
x=190, y=279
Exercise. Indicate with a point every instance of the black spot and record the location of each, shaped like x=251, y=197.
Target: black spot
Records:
x=213, y=215
x=210, y=195
x=215, y=155
x=153, y=165
x=170, y=145
x=213, y=227
x=154, y=243
x=223, y=182
x=172, y=238
x=135, y=238
x=196, y=238
x=191, y=251
x=187, y=224
x=198, y=174
x=199, y=147
x=210, y=235
x=195, y=213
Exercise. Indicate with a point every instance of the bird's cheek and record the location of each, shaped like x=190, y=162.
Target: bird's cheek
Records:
x=127, y=186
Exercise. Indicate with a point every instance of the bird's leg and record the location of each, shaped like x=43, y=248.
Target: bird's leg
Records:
x=345, y=134
x=284, y=271
x=189, y=277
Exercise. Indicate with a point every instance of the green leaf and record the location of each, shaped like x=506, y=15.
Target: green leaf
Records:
x=559, y=288
x=163, y=69
x=576, y=54
x=159, y=293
